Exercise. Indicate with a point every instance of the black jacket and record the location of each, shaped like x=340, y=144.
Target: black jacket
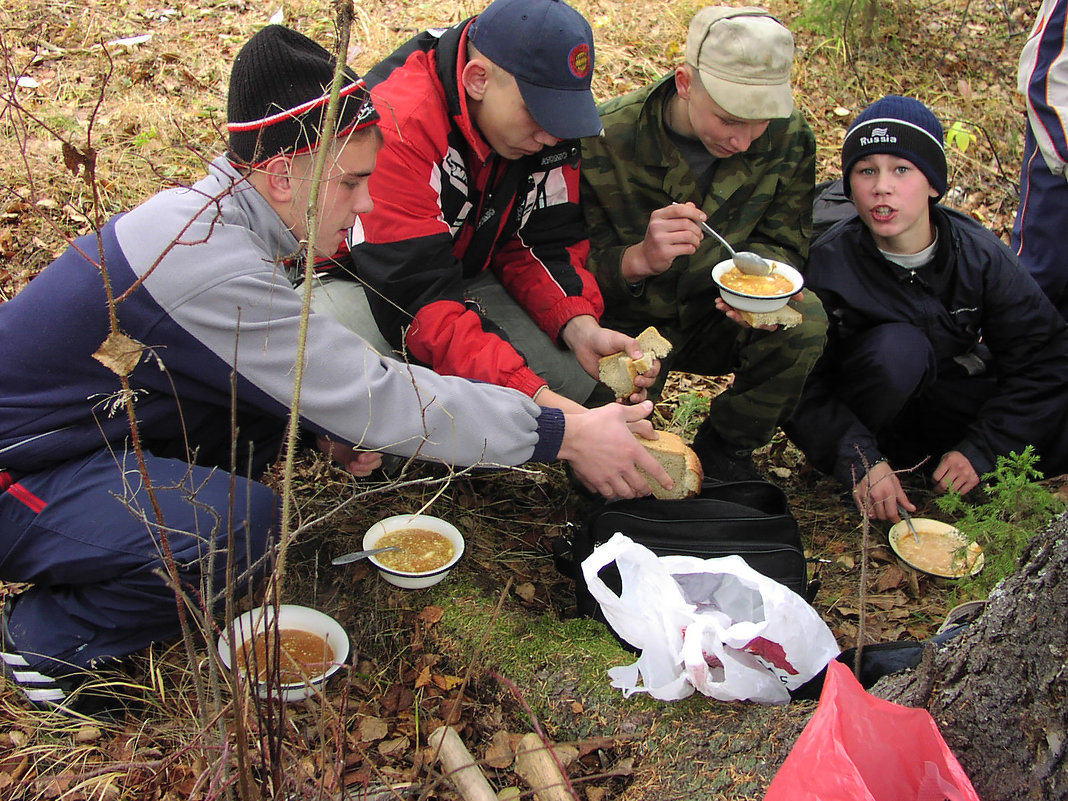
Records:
x=974, y=290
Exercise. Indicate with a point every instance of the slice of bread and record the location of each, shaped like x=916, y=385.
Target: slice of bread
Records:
x=617, y=370
x=681, y=464
x=786, y=317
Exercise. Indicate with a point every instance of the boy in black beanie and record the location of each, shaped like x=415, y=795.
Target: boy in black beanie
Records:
x=941, y=348
x=208, y=334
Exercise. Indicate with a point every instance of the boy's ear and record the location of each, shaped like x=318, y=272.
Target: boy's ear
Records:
x=277, y=178
x=475, y=77
x=683, y=81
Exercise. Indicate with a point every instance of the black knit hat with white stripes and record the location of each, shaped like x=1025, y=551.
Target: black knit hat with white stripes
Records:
x=900, y=126
x=279, y=91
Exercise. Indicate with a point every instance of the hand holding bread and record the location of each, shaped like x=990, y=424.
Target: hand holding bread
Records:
x=602, y=449
x=786, y=317
x=618, y=370
x=680, y=462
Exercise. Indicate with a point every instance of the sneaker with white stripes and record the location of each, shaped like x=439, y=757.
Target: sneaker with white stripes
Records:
x=42, y=691
x=73, y=694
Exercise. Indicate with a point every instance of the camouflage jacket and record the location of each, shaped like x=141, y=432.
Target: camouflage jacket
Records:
x=761, y=199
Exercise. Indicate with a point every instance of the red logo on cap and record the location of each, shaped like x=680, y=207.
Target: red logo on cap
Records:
x=578, y=60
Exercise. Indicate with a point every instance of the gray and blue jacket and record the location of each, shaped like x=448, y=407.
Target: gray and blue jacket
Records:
x=203, y=302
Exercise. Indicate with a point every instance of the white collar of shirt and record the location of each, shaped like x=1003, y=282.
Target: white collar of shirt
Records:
x=912, y=261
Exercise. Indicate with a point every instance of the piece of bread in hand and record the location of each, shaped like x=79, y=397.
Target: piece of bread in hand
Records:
x=618, y=370
x=786, y=317
x=681, y=464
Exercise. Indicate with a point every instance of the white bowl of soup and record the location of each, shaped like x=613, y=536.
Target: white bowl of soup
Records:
x=428, y=547
x=937, y=548
x=313, y=647
x=757, y=293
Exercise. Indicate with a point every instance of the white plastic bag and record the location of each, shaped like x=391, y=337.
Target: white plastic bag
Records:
x=714, y=625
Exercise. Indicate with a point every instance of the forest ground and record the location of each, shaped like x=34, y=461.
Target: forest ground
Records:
x=495, y=649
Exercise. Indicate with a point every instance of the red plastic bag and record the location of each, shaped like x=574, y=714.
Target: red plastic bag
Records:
x=861, y=748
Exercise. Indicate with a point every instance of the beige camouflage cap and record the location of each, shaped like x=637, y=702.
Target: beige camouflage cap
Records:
x=744, y=56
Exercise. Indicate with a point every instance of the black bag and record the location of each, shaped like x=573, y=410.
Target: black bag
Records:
x=749, y=518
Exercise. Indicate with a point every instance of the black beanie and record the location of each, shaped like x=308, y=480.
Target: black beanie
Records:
x=279, y=90
x=900, y=126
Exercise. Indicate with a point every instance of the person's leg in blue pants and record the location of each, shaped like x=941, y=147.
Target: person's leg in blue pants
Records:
x=881, y=370
x=1041, y=219
x=83, y=535
x=891, y=381
x=874, y=373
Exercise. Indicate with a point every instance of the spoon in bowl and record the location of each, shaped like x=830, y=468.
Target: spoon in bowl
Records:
x=746, y=261
x=352, y=557
x=904, y=514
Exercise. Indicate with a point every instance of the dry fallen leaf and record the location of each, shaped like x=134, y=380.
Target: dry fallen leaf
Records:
x=57, y=786
x=75, y=160
x=431, y=614
x=887, y=601
x=845, y=632
x=87, y=734
x=891, y=577
x=371, y=729
x=423, y=679
x=396, y=698
x=881, y=553
x=499, y=753
x=446, y=682
x=565, y=754
x=398, y=745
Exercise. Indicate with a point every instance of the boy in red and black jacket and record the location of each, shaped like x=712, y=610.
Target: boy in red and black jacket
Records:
x=474, y=256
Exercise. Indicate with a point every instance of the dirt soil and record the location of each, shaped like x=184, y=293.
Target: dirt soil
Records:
x=695, y=747
x=494, y=650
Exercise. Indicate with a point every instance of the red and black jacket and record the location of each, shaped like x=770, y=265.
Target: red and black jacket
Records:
x=447, y=207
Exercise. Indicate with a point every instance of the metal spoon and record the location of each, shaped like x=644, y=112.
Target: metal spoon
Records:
x=356, y=555
x=746, y=261
x=901, y=510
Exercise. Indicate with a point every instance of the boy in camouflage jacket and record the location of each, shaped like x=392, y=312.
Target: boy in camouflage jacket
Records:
x=717, y=140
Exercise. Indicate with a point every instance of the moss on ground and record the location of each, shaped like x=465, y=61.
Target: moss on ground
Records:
x=693, y=748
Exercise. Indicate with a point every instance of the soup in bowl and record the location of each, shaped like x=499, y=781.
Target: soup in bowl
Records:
x=757, y=293
x=313, y=648
x=427, y=549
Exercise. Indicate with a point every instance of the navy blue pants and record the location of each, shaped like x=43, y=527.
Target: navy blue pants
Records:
x=889, y=377
x=82, y=533
x=1041, y=220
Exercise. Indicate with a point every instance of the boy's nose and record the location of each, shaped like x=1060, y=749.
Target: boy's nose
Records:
x=545, y=138
x=882, y=182
x=741, y=140
x=362, y=202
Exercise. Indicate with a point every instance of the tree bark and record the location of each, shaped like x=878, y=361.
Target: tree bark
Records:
x=998, y=691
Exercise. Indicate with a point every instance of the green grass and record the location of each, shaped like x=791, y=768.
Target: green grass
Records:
x=1010, y=508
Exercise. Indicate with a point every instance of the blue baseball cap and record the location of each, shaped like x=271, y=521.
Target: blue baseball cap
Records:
x=547, y=46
